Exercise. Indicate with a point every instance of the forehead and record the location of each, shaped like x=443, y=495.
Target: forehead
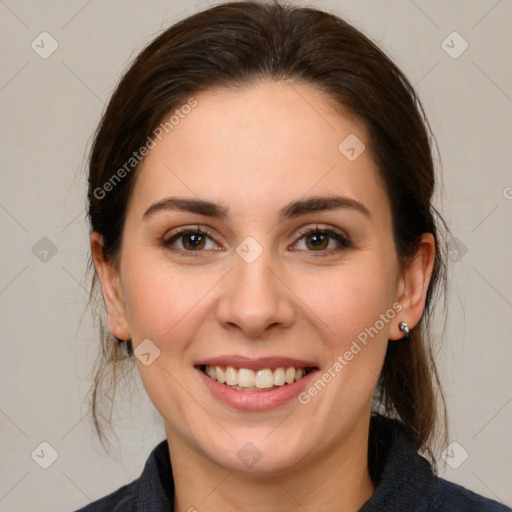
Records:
x=259, y=146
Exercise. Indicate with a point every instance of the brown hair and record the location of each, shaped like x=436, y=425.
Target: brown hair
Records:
x=234, y=44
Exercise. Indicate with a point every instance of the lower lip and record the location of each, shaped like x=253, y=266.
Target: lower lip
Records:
x=256, y=400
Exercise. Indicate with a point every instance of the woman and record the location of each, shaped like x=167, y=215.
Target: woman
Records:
x=262, y=229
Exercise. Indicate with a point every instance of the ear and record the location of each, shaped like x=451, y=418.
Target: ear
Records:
x=108, y=275
x=413, y=285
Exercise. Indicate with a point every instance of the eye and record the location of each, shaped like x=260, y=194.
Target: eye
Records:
x=318, y=240
x=192, y=240
x=195, y=240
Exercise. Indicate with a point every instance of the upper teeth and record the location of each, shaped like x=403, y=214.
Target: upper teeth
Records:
x=265, y=378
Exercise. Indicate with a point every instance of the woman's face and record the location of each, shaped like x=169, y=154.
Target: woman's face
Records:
x=253, y=289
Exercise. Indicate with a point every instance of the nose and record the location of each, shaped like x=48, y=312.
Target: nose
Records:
x=255, y=298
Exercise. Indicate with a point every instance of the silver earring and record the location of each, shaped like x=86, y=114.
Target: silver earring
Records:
x=405, y=330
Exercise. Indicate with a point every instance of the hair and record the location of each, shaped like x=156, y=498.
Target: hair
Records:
x=239, y=43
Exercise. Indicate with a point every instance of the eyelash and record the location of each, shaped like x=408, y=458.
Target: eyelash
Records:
x=342, y=239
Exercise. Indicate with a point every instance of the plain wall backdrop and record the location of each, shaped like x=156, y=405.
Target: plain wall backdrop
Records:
x=51, y=99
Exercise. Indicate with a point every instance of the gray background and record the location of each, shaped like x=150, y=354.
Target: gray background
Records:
x=49, y=109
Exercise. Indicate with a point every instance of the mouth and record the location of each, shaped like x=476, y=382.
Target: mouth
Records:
x=258, y=380
x=255, y=384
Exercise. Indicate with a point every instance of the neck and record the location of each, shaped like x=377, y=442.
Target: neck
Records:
x=337, y=480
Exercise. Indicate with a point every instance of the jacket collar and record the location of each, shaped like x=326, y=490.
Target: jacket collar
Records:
x=402, y=476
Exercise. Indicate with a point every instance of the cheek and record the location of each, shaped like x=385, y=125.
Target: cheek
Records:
x=355, y=311
x=163, y=305
x=355, y=306
x=351, y=299
x=161, y=300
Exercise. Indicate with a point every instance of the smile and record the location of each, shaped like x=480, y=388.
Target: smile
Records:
x=255, y=384
x=246, y=379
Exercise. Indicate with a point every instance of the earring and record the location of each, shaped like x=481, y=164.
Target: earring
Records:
x=405, y=330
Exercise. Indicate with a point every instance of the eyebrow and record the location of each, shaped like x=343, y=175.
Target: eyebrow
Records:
x=291, y=210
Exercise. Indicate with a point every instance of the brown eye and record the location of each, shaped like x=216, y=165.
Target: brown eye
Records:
x=193, y=241
x=318, y=240
x=189, y=241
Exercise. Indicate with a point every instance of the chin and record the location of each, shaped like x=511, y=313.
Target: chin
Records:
x=255, y=454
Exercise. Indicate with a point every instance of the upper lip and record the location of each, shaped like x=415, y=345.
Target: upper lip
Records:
x=256, y=363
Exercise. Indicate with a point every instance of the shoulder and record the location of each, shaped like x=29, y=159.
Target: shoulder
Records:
x=406, y=480
x=451, y=497
x=123, y=499
x=153, y=490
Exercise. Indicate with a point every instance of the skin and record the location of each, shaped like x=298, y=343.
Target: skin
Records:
x=255, y=149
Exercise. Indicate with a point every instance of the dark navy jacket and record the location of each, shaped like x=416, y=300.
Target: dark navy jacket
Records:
x=405, y=481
